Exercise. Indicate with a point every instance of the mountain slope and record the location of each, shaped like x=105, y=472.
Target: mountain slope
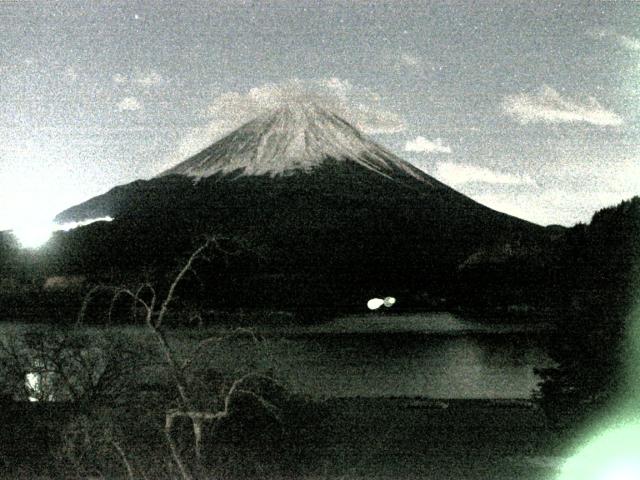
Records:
x=318, y=201
x=292, y=139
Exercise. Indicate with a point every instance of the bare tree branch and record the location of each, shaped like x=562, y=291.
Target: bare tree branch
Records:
x=178, y=279
x=145, y=286
x=87, y=298
x=174, y=449
x=117, y=292
x=154, y=320
x=123, y=456
x=197, y=417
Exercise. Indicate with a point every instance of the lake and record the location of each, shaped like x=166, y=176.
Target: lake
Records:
x=437, y=355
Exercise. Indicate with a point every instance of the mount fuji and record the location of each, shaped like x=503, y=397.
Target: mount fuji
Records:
x=331, y=213
x=295, y=137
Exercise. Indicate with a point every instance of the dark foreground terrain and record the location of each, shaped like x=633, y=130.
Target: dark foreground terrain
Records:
x=457, y=439
x=369, y=438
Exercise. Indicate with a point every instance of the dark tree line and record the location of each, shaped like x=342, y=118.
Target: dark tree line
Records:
x=598, y=272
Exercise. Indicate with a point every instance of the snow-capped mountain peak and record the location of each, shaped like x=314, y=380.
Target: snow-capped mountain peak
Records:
x=295, y=136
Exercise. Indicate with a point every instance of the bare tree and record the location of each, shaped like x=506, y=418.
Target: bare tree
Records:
x=88, y=369
x=54, y=364
x=155, y=312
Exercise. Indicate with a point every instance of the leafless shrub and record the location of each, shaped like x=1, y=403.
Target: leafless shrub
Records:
x=155, y=311
x=66, y=365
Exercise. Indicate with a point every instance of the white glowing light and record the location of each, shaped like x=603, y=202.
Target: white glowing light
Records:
x=375, y=303
x=612, y=455
x=34, y=185
x=33, y=385
x=32, y=236
x=65, y=227
x=35, y=234
x=39, y=386
x=625, y=471
x=389, y=301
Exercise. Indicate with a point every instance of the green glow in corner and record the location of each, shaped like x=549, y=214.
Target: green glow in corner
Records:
x=613, y=455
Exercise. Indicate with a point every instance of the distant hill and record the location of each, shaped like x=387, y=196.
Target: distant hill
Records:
x=603, y=256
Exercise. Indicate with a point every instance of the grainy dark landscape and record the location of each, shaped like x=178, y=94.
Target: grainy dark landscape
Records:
x=319, y=240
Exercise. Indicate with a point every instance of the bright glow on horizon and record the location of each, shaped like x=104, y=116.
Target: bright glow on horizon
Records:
x=65, y=227
x=34, y=185
x=36, y=234
x=33, y=235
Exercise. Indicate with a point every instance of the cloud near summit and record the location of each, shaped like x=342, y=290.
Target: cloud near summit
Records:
x=625, y=41
x=457, y=174
x=548, y=106
x=130, y=104
x=360, y=106
x=422, y=145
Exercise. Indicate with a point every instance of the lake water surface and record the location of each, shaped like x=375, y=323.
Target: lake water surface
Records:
x=437, y=355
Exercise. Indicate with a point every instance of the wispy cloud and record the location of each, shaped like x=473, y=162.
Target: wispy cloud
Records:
x=548, y=106
x=456, y=174
x=147, y=78
x=129, y=104
x=360, y=106
x=409, y=60
x=630, y=43
x=625, y=41
x=70, y=73
x=403, y=62
x=119, y=78
x=422, y=145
